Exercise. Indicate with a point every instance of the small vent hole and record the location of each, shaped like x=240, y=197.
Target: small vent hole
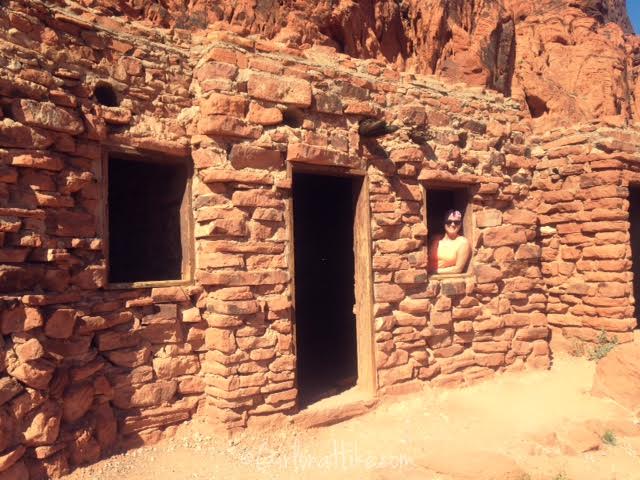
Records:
x=293, y=117
x=106, y=95
x=537, y=106
x=6, y=110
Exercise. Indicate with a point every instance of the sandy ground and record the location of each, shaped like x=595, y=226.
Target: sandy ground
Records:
x=518, y=426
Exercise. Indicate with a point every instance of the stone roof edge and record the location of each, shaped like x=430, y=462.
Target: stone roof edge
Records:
x=433, y=83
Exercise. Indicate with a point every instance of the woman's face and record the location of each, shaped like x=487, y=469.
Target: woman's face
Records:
x=452, y=225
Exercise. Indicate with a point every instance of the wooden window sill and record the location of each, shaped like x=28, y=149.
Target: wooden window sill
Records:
x=450, y=276
x=148, y=284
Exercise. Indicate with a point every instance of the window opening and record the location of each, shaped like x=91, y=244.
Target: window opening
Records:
x=439, y=200
x=148, y=212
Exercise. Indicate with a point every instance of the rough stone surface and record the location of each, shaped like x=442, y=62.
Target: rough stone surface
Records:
x=618, y=376
x=546, y=54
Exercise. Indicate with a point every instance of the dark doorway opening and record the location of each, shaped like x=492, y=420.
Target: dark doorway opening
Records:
x=634, y=230
x=146, y=221
x=324, y=210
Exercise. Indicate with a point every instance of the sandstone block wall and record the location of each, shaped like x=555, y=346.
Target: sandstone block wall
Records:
x=274, y=109
x=83, y=368
x=581, y=186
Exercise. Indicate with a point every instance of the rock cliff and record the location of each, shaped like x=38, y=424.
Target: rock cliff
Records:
x=568, y=60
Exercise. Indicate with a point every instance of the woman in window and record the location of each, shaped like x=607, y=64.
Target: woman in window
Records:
x=450, y=253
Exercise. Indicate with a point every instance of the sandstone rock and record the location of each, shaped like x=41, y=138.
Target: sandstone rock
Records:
x=147, y=395
x=112, y=340
x=221, y=340
x=87, y=324
x=87, y=370
x=77, y=401
x=129, y=357
x=32, y=349
x=488, y=218
x=579, y=438
x=478, y=465
x=248, y=156
x=84, y=448
x=218, y=104
x=161, y=332
x=9, y=388
x=312, y=154
x=36, y=374
x=225, y=125
x=264, y=116
x=156, y=417
x=48, y=450
x=292, y=91
x=71, y=224
x=8, y=429
x=504, y=235
x=414, y=306
x=25, y=403
x=47, y=115
x=486, y=274
x=54, y=466
x=16, y=135
x=42, y=426
x=172, y=367
x=168, y=295
x=7, y=460
x=395, y=375
x=618, y=376
x=20, y=319
x=73, y=348
x=17, y=471
x=191, y=315
x=106, y=426
x=388, y=293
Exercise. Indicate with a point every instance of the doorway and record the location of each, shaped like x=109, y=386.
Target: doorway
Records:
x=634, y=231
x=332, y=294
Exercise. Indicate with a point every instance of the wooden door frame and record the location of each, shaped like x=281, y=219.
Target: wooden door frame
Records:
x=367, y=380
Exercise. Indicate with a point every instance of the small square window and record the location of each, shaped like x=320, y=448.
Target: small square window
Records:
x=439, y=200
x=148, y=219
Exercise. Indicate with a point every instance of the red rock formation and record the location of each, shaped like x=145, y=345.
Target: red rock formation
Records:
x=568, y=60
x=618, y=376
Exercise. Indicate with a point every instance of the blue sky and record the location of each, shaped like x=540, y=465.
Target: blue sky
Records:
x=634, y=12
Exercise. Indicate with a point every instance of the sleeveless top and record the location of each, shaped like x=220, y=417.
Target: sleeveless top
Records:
x=446, y=252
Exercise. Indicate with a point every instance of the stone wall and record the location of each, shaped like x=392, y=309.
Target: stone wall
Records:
x=84, y=368
x=87, y=368
x=271, y=108
x=581, y=186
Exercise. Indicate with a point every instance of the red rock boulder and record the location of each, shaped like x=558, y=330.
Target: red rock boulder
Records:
x=618, y=376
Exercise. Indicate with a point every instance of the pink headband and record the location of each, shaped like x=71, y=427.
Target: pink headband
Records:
x=455, y=215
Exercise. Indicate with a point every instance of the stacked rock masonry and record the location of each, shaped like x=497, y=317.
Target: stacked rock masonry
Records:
x=88, y=366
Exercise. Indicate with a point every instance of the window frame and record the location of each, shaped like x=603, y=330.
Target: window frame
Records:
x=187, y=269
x=467, y=221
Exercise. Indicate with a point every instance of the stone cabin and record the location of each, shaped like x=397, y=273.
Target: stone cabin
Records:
x=201, y=224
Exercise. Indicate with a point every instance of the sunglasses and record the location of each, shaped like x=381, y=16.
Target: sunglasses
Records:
x=452, y=222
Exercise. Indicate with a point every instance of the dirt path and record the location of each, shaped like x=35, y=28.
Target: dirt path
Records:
x=519, y=426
